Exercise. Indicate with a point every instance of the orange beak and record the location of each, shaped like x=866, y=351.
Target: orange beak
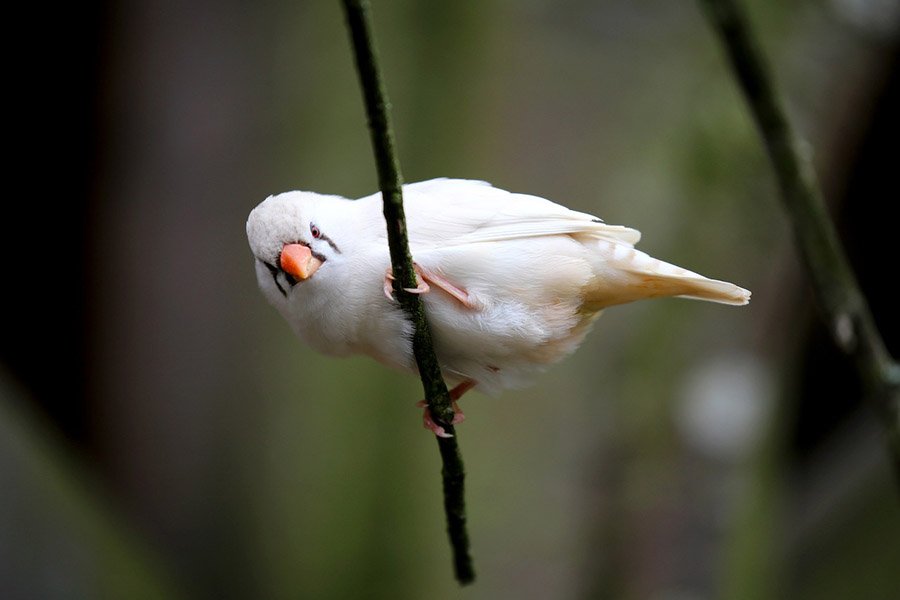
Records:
x=297, y=260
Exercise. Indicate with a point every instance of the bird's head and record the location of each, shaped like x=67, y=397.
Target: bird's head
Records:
x=294, y=236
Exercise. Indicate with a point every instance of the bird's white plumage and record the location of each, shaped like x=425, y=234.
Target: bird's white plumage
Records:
x=535, y=274
x=442, y=212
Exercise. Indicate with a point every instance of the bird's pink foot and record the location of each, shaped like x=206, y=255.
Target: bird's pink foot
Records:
x=458, y=415
x=388, y=287
x=430, y=424
x=456, y=393
x=441, y=282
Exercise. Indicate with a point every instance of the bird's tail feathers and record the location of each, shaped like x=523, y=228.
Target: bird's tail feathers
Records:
x=625, y=275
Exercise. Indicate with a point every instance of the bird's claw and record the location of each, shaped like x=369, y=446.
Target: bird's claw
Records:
x=388, y=286
x=430, y=424
x=422, y=288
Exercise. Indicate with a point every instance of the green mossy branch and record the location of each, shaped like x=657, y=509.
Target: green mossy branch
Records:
x=390, y=181
x=844, y=307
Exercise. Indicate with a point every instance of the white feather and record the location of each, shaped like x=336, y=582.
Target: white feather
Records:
x=445, y=212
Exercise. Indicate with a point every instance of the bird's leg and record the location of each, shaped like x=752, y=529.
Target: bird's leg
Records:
x=437, y=280
x=424, y=277
x=456, y=393
x=422, y=288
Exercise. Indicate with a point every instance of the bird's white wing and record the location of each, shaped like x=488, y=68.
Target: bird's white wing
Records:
x=449, y=212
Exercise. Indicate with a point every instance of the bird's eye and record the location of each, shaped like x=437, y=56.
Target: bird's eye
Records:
x=315, y=231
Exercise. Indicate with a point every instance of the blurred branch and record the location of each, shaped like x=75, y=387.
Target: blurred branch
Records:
x=843, y=304
x=359, y=20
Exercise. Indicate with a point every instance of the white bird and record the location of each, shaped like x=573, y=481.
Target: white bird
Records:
x=511, y=282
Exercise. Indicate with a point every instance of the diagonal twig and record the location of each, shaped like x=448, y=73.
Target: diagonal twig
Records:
x=359, y=21
x=843, y=305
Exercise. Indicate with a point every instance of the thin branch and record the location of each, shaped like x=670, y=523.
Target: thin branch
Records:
x=359, y=21
x=843, y=304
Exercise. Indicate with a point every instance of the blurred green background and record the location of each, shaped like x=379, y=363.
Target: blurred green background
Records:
x=164, y=435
